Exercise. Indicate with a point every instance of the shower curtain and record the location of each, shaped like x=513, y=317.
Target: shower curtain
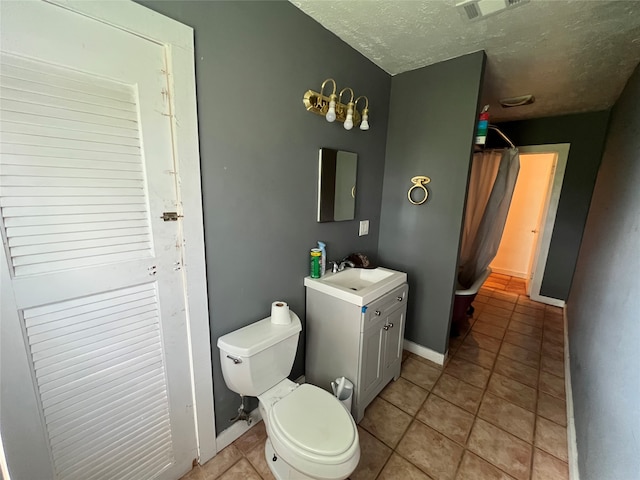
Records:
x=491, y=184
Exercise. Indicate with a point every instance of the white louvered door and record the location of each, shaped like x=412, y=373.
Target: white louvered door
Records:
x=93, y=301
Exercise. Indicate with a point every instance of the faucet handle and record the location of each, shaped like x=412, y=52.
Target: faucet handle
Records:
x=334, y=267
x=343, y=264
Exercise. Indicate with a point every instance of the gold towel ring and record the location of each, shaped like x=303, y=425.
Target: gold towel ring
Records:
x=419, y=182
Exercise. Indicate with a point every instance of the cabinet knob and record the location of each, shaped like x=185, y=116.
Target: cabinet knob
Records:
x=386, y=327
x=378, y=313
x=399, y=299
x=391, y=325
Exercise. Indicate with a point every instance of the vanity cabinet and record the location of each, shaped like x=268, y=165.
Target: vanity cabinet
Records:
x=361, y=343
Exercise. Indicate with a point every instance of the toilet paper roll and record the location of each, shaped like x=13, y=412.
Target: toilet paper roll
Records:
x=280, y=313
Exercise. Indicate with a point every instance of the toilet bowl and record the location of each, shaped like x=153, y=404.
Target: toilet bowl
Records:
x=310, y=434
x=310, y=431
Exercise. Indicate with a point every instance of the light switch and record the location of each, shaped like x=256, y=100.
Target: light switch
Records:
x=364, y=228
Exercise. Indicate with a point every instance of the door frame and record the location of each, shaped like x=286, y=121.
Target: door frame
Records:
x=548, y=220
x=178, y=41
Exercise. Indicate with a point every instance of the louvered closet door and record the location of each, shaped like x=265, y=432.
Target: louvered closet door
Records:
x=93, y=315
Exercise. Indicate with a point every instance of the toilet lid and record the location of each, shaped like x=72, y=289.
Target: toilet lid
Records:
x=313, y=420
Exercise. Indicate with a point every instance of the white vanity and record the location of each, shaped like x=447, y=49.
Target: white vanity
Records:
x=355, y=328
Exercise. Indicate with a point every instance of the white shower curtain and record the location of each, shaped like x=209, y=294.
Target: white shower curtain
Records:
x=491, y=184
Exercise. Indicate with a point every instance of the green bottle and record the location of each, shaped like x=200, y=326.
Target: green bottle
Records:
x=316, y=253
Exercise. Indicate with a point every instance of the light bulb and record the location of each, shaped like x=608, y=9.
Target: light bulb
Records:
x=331, y=114
x=365, y=122
x=348, y=123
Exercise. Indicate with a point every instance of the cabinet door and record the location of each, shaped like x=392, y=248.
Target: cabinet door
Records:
x=393, y=343
x=372, y=361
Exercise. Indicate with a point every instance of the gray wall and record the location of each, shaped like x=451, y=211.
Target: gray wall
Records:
x=259, y=154
x=604, y=307
x=586, y=134
x=431, y=129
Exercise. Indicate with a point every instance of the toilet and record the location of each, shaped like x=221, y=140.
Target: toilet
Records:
x=310, y=434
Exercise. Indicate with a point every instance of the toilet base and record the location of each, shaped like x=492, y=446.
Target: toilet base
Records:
x=281, y=469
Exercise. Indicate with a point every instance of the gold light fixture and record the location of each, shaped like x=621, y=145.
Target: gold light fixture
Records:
x=332, y=108
x=365, y=112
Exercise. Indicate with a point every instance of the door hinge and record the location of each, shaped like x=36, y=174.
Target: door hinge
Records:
x=170, y=216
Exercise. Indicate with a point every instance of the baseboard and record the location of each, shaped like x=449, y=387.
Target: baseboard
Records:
x=235, y=431
x=571, y=424
x=425, y=352
x=506, y=271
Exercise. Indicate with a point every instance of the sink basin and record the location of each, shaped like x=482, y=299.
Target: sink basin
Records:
x=358, y=278
x=359, y=286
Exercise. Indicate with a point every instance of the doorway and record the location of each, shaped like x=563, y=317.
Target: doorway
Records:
x=525, y=243
x=520, y=238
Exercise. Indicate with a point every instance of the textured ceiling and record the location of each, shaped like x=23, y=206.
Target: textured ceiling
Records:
x=572, y=55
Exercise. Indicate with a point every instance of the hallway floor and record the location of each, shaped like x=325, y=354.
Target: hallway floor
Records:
x=497, y=409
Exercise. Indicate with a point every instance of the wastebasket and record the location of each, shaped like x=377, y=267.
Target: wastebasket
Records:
x=343, y=389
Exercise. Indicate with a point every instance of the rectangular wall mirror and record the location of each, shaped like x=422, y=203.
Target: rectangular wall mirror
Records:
x=337, y=185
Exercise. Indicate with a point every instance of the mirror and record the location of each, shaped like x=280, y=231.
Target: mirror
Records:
x=337, y=185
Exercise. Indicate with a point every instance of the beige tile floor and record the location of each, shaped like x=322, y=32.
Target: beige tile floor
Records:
x=496, y=411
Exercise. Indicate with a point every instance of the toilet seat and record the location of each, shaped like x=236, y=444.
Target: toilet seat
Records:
x=314, y=424
x=311, y=430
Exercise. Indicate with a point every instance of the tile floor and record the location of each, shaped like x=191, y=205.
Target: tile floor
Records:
x=496, y=410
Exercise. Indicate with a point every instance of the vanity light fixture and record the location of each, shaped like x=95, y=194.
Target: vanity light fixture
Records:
x=364, y=125
x=331, y=112
x=332, y=108
x=348, y=122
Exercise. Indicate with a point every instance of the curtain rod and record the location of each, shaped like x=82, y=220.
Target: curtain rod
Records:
x=505, y=138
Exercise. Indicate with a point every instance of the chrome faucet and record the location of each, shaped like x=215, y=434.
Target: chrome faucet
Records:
x=344, y=264
x=341, y=265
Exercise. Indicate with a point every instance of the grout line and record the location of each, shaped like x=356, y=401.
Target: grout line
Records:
x=482, y=398
x=390, y=455
x=413, y=419
x=535, y=423
x=484, y=393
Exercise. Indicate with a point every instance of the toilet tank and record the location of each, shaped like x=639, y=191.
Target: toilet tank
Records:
x=258, y=356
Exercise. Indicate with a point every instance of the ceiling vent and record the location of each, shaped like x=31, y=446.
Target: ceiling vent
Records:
x=477, y=9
